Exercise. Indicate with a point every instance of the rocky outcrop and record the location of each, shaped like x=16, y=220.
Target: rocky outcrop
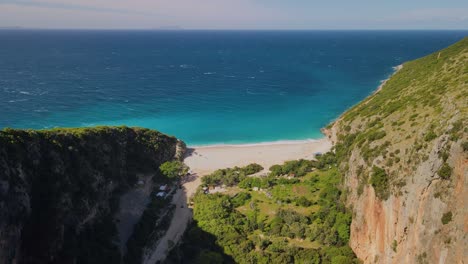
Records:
x=404, y=153
x=60, y=188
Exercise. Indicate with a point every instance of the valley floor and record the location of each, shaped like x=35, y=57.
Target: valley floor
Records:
x=205, y=160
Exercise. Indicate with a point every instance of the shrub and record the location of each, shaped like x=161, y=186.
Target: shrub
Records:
x=240, y=199
x=430, y=136
x=445, y=171
x=252, y=168
x=173, y=169
x=302, y=201
x=465, y=146
x=379, y=180
x=276, y=170
x=394, y=245
x=446, y=218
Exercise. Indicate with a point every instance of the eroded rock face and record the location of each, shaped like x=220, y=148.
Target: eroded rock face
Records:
x=407, y=228
x=404, y=151
x=60, y=188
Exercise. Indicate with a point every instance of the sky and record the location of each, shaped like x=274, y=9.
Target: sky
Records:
x=235, y=14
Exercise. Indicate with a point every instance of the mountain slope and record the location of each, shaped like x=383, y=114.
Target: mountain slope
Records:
x=404, y=153
x=60, y=189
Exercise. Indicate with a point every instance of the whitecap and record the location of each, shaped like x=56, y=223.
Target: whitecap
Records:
x=23, y=92
x=250, y=92
x=19, y=100
x=209, y=73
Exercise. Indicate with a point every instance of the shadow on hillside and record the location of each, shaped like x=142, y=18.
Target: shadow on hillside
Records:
x=190, y=152
x=197, y=246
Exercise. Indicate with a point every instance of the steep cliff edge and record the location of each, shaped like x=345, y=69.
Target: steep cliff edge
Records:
x=60, y=188
x=404, y=154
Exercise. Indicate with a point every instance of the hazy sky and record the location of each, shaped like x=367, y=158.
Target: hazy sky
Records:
x=236, y=14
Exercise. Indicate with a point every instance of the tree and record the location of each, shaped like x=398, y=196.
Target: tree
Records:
x=276, y=170
x=173, y=169
x=209, y=257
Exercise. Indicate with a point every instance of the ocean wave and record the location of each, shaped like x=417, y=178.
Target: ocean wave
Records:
x=42, y=110
x=186, y=66
x=19, y=100
x=209, y=73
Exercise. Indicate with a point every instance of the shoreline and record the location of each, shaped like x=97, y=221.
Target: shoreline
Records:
x=262, y=143
x=204, y=159
x=329, y=130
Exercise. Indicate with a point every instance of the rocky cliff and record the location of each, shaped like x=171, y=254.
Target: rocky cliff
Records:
x=60, y=188
x=404, y=152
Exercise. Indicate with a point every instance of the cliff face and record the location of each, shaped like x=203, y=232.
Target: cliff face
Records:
x=404, y=153
x=60, y=188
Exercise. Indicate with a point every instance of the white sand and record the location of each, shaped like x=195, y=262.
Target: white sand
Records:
x=204, y=160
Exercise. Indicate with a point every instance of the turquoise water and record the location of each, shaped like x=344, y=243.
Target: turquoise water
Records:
x=205, y=87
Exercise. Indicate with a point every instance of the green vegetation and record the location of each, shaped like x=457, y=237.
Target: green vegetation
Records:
x=298, y=220
x=394, y=245
x=430, y=136
x=173, y=169
x=379, y=180
x=465, y=146
x=446, y=218
x=230, y=176
x=299, y=168
x=445, y=172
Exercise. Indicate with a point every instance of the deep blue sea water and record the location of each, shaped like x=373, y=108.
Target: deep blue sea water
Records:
x=204, y=87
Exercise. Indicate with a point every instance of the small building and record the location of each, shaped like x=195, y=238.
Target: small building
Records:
x=163, y=187
x=161, y=194
x=255, y=189
x=141, y=182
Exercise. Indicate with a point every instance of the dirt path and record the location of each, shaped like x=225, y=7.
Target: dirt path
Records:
x=180, y=221
x=132, y=205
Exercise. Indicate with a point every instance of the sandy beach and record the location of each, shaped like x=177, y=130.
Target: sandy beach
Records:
x=206, y=159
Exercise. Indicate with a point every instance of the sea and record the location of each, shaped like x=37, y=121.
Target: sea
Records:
x=204, y=87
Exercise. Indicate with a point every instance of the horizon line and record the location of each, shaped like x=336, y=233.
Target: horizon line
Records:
x=235, y=29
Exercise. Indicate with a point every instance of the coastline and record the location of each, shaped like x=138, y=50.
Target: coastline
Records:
x=204, y=159
x=330, y=130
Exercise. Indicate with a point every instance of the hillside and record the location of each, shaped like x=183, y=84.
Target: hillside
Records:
x=404, y=154
x=60, y=190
